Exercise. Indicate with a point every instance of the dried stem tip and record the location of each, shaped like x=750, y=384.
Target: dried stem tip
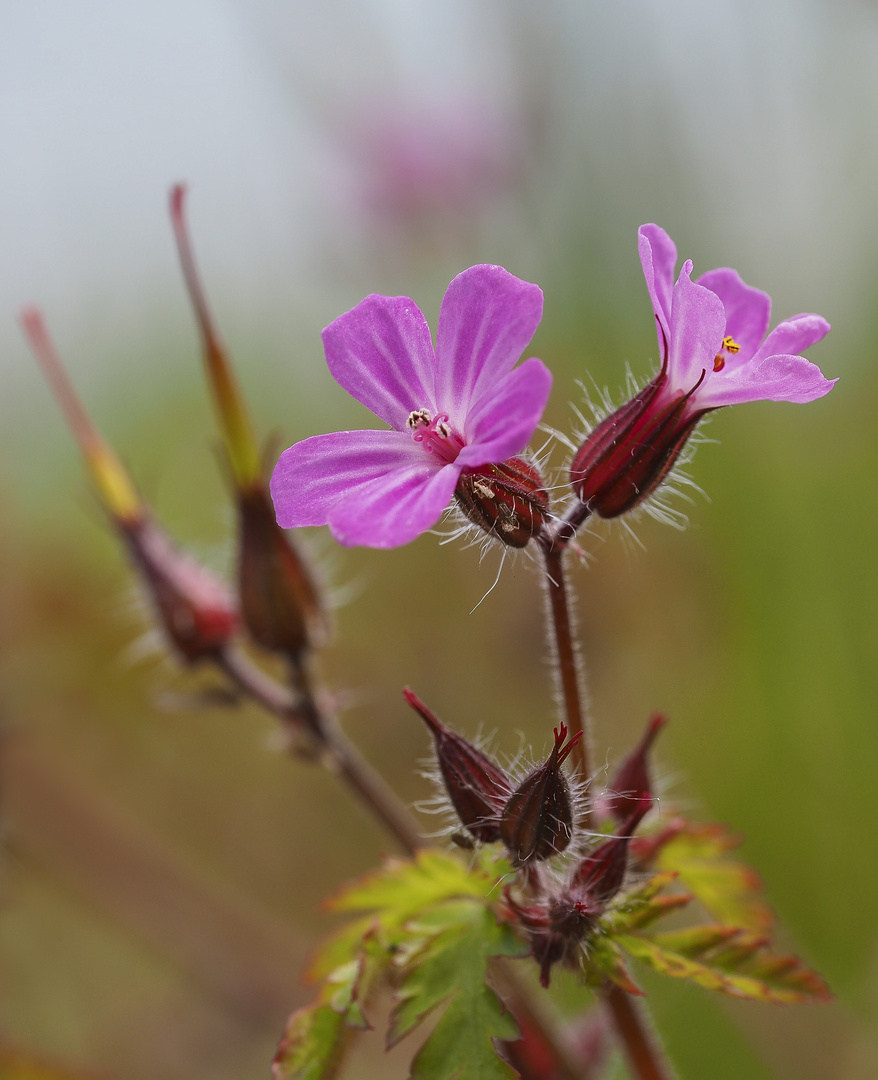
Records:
x=537, y=820
x=509, y=500
x=478, y=787
x=114, y=486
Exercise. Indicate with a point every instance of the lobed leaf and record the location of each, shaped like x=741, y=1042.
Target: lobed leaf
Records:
x=730, y=961
x=729, y=889
x=316, y=1038
x=448, y=965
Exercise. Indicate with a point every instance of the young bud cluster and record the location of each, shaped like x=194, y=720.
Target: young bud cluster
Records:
x=509, y=500
x=535, y=821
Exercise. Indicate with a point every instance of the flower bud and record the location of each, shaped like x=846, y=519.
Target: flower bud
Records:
x=600, y=876
x=478, y=788
x=554, y=928
x=632, y=450
x=631, y=783
x=537, y=820
x=509, y=500
x=280, y=604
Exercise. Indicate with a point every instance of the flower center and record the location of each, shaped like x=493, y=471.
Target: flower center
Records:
x=435, y=434
x=730, y=347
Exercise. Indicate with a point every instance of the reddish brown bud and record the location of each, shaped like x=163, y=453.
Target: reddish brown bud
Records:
x=632, y=450
x=195, y=609
x=632, y=782
x=280, y=604
x=478, y=788
x=537, y=820
x=509, y=501
x=600, y=876
x=555, y=929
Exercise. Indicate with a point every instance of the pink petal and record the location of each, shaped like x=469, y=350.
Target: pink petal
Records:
x=697, y=325
x=794, y=335
x=748, y=312
x=381, y=352
x=315, y=476
x=487, y=318
x=658, y=257
x=774, y=378
x=394, y=508
x=503, y=421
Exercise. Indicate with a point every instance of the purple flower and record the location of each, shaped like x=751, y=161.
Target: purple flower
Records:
x=711, y=336
x=451, y=409
x=714, y=350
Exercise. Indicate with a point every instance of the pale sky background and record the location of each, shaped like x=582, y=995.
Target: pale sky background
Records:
x=767, y=112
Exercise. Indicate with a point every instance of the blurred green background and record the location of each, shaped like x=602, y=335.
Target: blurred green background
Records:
x=163, y=863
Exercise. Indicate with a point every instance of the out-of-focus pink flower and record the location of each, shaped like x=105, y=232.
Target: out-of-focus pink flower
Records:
x=451, y=409
x=714, y=350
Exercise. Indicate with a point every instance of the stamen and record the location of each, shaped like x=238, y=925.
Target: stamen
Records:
x=729, y=346
x=435, y=434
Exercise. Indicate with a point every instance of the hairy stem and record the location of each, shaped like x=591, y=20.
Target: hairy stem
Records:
x=315, y=736
x=644, y=1056
x=567, y=657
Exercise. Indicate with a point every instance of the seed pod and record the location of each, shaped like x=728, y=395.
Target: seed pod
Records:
x=509, y=500
x=280, y=603
x=478, y=787
x=537, y=820
x=195, y=609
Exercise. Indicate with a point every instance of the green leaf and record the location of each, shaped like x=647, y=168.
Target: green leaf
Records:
x=313, y=1045
x=729, y=889
x=316, y=1038
x=728, y=960
x=448, y=964
x=403, y=887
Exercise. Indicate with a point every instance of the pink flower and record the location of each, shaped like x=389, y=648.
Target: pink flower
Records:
x=451, y=409
x=714, y=349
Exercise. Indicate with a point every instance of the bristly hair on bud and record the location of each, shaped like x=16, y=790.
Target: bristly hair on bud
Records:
x=508, y=501
x=601, y=874
x=537, y=821
x=477, y=787
x=631, y=782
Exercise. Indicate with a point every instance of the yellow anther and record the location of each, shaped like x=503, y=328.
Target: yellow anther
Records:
x=730, y=345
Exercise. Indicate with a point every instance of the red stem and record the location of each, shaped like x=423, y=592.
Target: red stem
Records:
x=567, y=659
x=640, y=1046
